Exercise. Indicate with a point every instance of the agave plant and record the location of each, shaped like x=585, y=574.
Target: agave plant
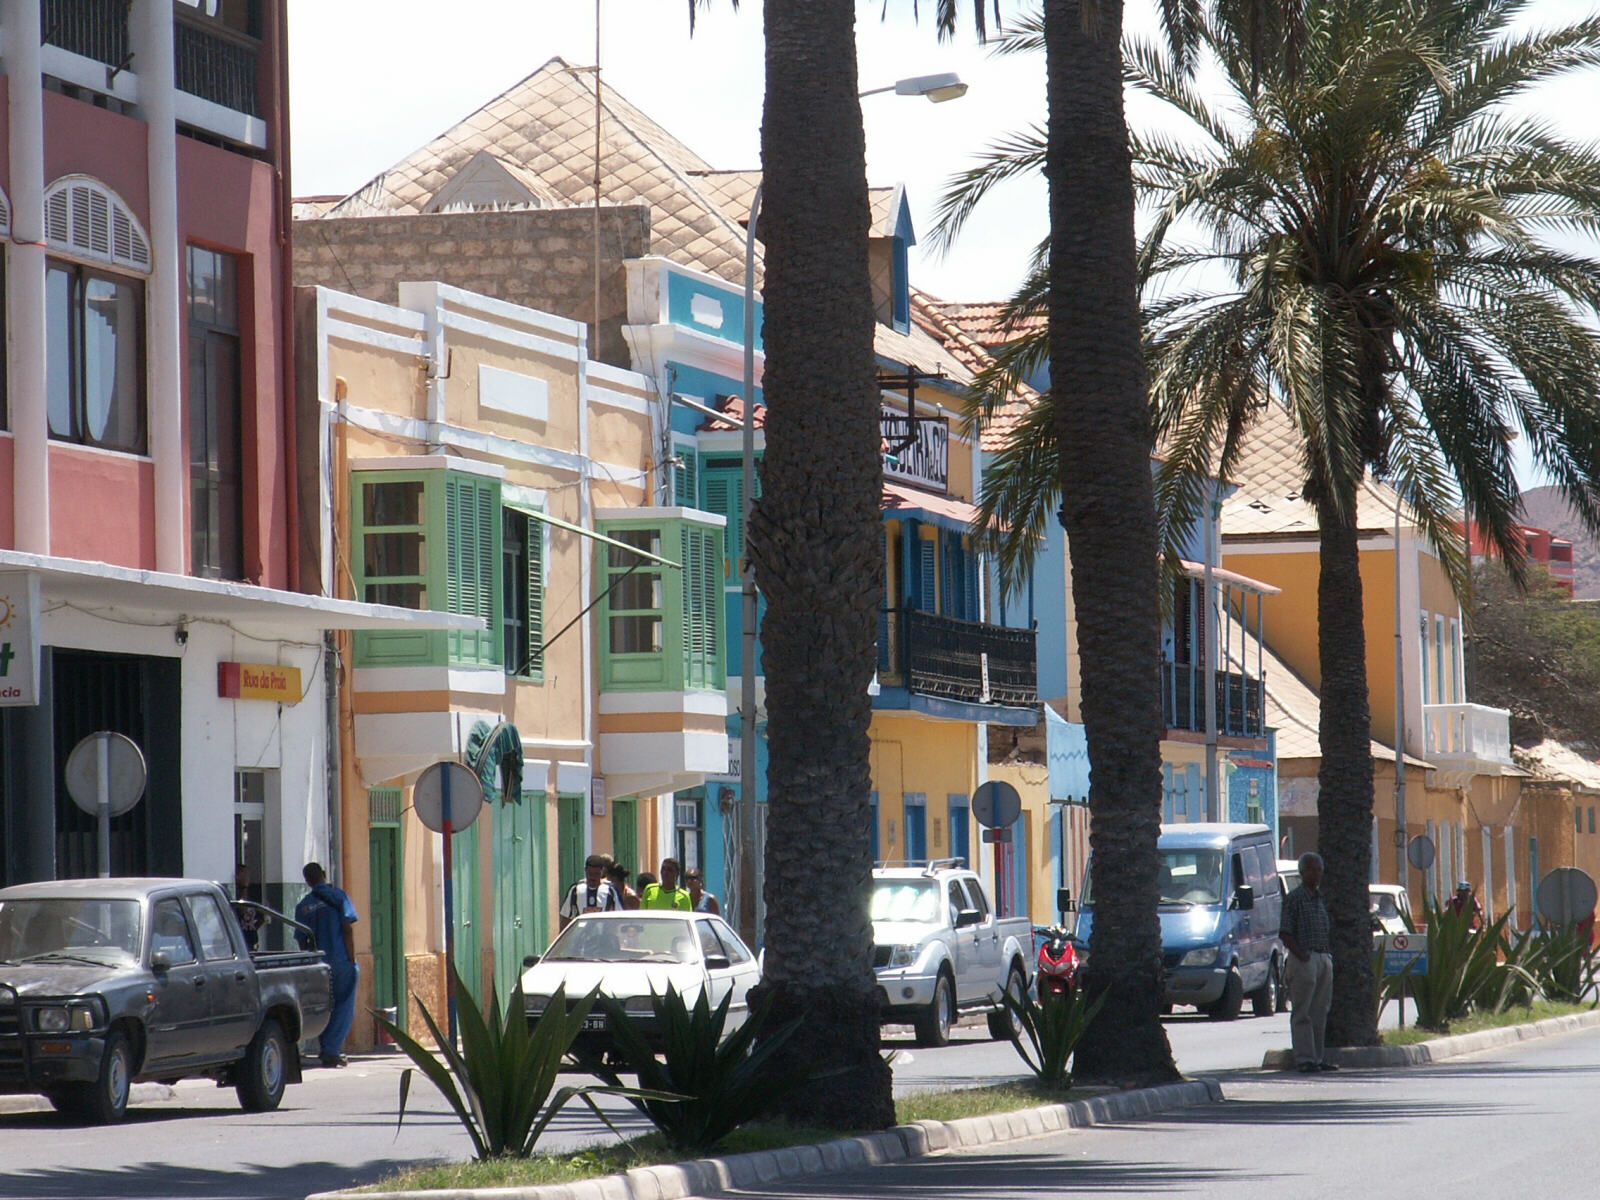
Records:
x=1467, y=968
x=1563, y=963
x=717, y=1084
x=501, y=1082
x=1051, y=1030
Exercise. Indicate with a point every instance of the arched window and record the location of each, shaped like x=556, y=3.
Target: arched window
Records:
x=86, y=219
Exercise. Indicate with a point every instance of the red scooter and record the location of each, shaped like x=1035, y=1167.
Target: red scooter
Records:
x=1058, y=963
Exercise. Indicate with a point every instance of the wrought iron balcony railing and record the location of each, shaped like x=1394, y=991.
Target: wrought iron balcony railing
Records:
x=958, y=660
x=219, y=65
x=96, y=29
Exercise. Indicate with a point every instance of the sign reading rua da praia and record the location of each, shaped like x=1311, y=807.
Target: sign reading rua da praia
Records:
x=19, y=639
x=258, y=681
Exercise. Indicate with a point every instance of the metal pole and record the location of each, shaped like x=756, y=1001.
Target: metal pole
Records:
x=745, y=909
x=1399, y=721
x=449, y=904
x=1214, y=805
x=102, y=754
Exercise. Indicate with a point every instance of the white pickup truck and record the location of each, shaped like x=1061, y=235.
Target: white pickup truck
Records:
x=940, y=952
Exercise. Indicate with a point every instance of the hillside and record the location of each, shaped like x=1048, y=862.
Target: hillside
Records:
x=1545, y=508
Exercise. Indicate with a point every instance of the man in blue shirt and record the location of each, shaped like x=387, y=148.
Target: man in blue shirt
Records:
x=330, y=915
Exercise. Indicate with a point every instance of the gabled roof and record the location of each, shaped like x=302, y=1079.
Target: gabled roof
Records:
x=489, y=180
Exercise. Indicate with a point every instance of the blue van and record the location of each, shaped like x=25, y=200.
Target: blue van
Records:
x=1220, y=904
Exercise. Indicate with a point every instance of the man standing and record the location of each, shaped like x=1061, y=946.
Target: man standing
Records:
x=1309, y=972
x=1466, y=901
x=597, y=894
x=330, y=915
x=667, y=893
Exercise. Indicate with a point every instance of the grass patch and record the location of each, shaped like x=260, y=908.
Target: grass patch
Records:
x=1540, y=1010
x=981, y=1101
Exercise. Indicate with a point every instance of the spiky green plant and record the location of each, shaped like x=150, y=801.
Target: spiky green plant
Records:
x=1051, y=1029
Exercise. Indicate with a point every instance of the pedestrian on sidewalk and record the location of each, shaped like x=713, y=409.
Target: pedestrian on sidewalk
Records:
x=1465, y=901
x=703, y=901
x=1304, y=930
x=329, y=914
x=667, y=893
x=617, y=877
x=592, y=893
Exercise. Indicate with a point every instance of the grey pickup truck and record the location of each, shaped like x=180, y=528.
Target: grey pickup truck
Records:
x=105, y=982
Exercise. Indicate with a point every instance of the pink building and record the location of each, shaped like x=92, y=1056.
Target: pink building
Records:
x=1543, y=547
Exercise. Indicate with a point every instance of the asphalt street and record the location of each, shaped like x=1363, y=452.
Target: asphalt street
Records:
x=338, y=1128
x=1515, y=1122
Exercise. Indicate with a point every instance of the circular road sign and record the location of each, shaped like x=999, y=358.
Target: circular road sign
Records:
x=1420, y=852
x=1566, y=895
x=466, y=796
x=125, y=774
x=996, y=804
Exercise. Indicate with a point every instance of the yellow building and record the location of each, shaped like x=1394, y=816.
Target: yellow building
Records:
x=472, y=459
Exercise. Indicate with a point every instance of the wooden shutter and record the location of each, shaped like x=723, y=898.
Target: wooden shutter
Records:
x=686, y=478
x=724, y=491
x=533, y=549
x=927, y=597
x=472, y=513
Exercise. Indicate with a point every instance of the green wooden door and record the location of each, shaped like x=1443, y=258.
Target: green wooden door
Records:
x=516, y=932
x=569, y=841
x=544, y=891
x=386, y=907
x=625, y=833
x=469, y=947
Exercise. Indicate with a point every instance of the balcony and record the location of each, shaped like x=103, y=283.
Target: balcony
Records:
x=967, y=662
x=96, y=29
x=1463, y=740
x=217, y=64
x=1240, y=701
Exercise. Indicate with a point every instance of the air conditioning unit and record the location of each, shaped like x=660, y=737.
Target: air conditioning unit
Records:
x=687, y=814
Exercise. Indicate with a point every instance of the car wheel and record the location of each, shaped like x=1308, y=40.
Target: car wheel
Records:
x=1264, y=1000
x=933, y=1026
x=1003, y=1022
x=265, y=1069
x=105, y=1101
x=1227, y=1006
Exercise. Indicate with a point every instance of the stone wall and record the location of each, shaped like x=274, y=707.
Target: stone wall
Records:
x=542, y=258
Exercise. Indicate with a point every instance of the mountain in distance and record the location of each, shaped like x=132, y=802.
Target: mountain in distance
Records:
x=1546, y=508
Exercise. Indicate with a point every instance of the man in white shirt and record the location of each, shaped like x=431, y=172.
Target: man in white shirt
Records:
x=593, y=893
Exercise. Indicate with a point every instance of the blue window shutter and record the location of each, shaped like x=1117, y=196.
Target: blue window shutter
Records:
x=948, y=591
x=927, y=596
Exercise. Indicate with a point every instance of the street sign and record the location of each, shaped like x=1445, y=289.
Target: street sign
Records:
x=996, y=804
x=1405, y=954
x=466, y=796
x=992, y=836
x=1420, y=852
x=105, y=777
x=1566, y=896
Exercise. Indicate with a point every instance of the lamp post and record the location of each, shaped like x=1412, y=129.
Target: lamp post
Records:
x=937, y=88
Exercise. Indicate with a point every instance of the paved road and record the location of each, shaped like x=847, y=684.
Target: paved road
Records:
x=338, y=1128
x=1516, y=1122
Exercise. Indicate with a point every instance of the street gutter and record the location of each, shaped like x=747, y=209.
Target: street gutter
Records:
x=716, y=1176
x=1437, y=1049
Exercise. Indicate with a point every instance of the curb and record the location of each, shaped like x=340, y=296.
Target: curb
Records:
x=1436, y=1049
x=712, y=1176
x=141, y=1093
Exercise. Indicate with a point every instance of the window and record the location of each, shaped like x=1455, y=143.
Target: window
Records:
x=722, y=480
x=635, y=597
x=94, y=346
x=394, y=551
x=730, y=942
x=976, y=899
x=522, y=586
x=170, y=934
x=214, y=940
x=216, y=495
x=472, y=524
x=702, y=643
x=685, y=475
x=1577, y=819
x=710, y=946
x=1591, y=820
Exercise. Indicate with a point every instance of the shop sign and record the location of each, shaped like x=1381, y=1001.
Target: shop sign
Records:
x=917, y=455
x=258, y=681
x=731, y=775
x=19, y=639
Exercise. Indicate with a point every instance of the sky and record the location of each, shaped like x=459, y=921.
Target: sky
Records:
x=371, y=80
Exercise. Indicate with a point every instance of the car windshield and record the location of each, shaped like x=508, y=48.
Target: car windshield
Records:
x=1191, y=877
x=95, y=929
x=1384, y=907
x=613, y=940
x=905, y=900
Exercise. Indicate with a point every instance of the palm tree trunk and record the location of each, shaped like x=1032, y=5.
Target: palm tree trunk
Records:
x=814, y=538
x=1344, y=781
x=1108, y=511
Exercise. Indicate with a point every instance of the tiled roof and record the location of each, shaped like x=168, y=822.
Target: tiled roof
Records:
x=982, y=320
x=897, y=497
x=544, y=126
x=936, y=318
x=733, y=419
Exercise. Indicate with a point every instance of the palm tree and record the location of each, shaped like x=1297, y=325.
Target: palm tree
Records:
x=1375, y=260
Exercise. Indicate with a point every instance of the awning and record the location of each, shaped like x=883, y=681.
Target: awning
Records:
x=589, y=533
x=1244, y=583
x=908, y=503
x=96, y=586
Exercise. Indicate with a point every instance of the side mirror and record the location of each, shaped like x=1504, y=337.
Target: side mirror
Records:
x=1244, y=897
x=529, y=960
x=968, y=916
x=1064, y=901
x=717, y=962
x=160, y=961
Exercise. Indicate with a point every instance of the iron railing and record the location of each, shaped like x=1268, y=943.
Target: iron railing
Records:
x=1240, y=701
x=958, y=660
x=219, y=65
x=96, y=29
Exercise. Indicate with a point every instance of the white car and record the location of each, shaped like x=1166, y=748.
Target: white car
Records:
x=627, y=955
x=1390, y=907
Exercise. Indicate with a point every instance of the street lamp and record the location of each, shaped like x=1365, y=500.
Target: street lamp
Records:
x=938, y=89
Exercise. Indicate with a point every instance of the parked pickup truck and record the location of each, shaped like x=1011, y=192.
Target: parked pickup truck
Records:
x=105, y=982
x=939, y=951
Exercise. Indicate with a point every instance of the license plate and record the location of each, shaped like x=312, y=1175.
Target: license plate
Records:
x=594, y=1022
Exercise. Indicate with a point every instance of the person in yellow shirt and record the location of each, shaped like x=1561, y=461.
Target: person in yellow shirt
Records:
x=667, y=893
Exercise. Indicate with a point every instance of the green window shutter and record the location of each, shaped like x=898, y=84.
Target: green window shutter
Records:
x=534, y=542
x=724, y=491
x=472, y=558
x=686, y=478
